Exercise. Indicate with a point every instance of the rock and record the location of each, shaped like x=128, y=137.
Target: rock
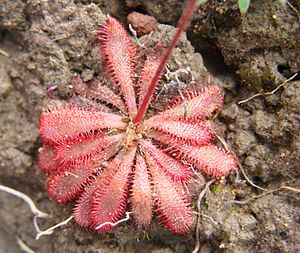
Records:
x=141, y=23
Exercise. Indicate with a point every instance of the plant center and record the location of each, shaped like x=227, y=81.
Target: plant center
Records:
x=132, y=137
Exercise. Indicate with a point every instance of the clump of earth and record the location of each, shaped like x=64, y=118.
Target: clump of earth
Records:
x=44, y=43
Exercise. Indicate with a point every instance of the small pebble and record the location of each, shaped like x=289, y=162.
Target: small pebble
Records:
x=141, y=23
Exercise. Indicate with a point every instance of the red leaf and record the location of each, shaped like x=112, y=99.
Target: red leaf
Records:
x=84, y=147
x=83, y=205
x=119, y=55
x=210, y=159
x=172, y=206
x=70, y=181
x=180, y=131
x=109, y=200
x=151, y=64
x=59, y=124
x=197, y=104
x=170, y=166
x=47, y=159
x=68, y=184
x=141, y=195
x=97, y=91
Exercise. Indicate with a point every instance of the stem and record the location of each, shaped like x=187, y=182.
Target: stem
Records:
x=187, y=14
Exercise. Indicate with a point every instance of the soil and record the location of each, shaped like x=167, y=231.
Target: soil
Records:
x=43, y=43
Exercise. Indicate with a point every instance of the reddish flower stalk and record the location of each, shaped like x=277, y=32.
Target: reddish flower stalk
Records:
x=183, y=22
